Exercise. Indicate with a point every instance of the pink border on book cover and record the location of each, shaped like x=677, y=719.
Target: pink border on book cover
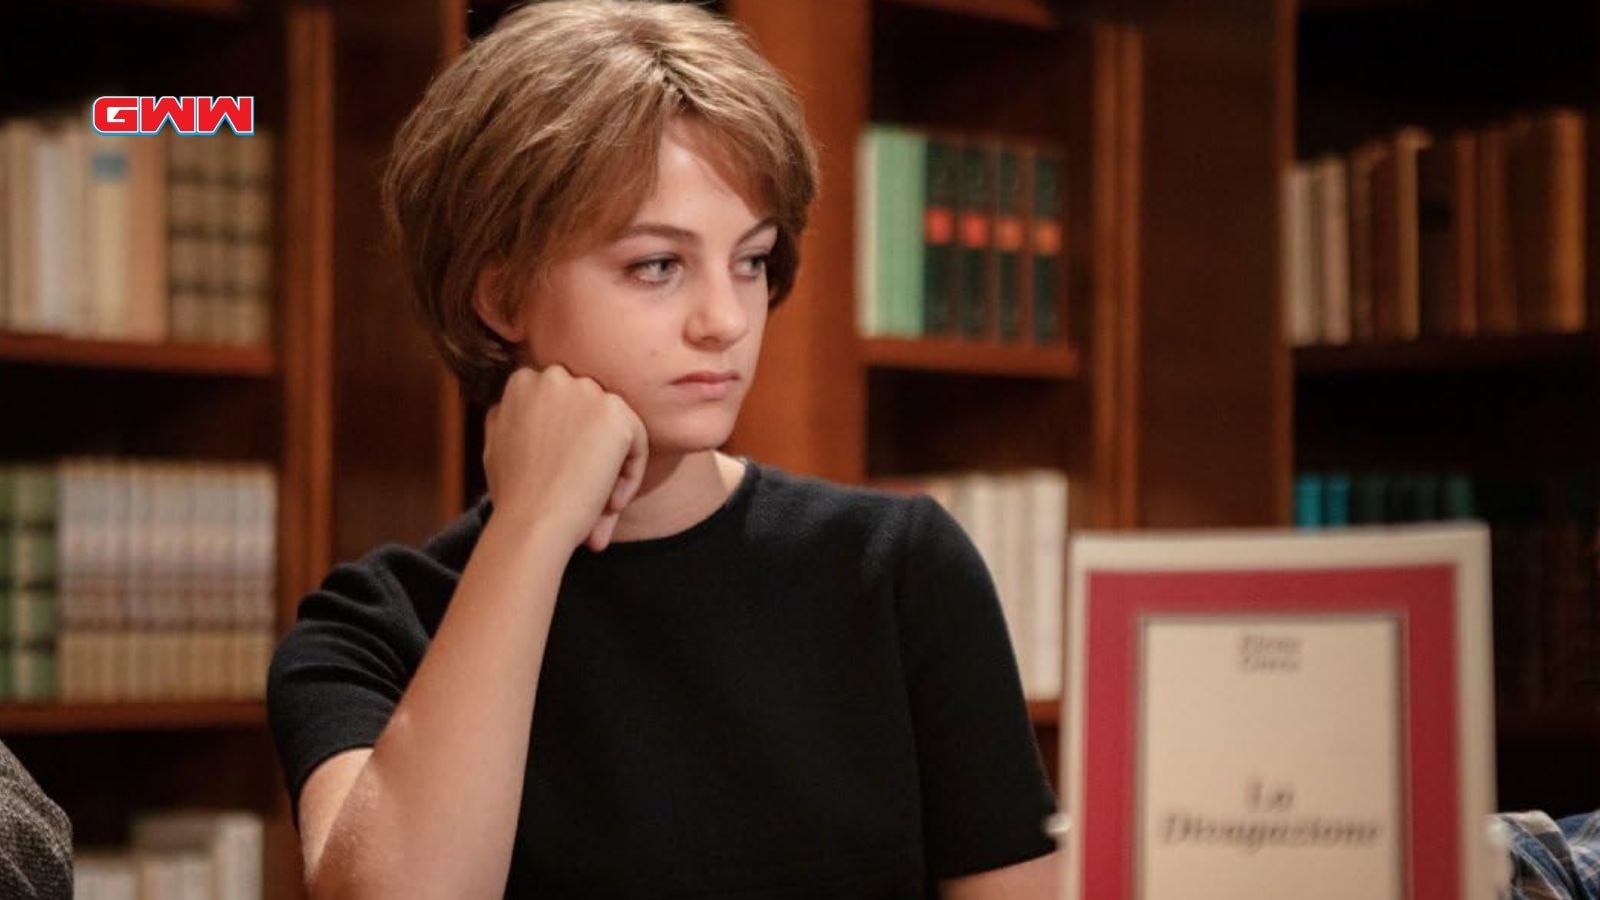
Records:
x=1422, y=598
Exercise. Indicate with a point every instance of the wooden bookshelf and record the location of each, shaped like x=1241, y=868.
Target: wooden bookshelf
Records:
x=971, y=358
x=85, y=718
x=1513, y=412
x=1440, y=354
x=1031, y=13
x=219, y=8
x=173, y=358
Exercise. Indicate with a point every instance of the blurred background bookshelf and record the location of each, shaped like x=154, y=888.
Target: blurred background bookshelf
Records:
x=164, y=377
x=1441, y=233
x=1171, y=398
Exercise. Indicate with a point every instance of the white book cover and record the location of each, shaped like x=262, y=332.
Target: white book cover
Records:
x=1280, y=714
x=1332, y=186
x=1048, y=507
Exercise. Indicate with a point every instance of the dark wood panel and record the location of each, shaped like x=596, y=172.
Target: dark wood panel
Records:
x=1210, y=415
x=392, y=426
x=805, y=409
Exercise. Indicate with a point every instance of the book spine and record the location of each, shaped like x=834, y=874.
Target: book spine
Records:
x=939, y=235
x=1009, y=241
x=1046, y=248
x=977, y=240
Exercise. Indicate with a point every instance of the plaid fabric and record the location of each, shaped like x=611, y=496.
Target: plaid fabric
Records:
x=1552, y=860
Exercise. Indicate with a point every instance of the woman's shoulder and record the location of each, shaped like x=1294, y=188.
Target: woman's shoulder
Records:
x=806, y=506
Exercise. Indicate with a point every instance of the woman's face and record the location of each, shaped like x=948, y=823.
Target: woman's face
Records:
x=680, y=292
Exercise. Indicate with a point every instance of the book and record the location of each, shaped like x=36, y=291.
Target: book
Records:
x=1447, y=246
x=976, y=238
x=1047, y=248
x=1247, y=708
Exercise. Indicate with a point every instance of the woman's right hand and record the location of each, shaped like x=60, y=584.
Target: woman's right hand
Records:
x=560, y=452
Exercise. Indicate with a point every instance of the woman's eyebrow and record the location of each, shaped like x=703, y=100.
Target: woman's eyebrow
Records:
x=684, y=235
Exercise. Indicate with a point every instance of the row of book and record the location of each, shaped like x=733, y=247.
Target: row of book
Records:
x=179, y=855
x=135, y=237
x=1545, y=564
x=1018, y=522
x=136, y=579
x=958, y=237
x=1476, y=232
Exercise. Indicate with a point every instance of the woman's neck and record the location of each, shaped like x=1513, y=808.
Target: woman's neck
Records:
x=678, y=491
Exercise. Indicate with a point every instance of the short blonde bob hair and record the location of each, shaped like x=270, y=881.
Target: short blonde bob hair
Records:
x=541, y=139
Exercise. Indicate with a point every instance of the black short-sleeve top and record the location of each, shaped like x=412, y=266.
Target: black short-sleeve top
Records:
x=809, y=693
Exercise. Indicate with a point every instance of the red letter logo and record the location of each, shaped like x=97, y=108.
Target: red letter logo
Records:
x=116, y=115
x=154, y=112
x=239, y=112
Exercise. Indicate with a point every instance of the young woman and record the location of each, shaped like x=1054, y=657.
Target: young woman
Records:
x=640, y=667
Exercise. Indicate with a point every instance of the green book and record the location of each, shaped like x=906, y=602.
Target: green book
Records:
x=909, y=306
x=942, y=181
x=1008, y=241
x=977, y=223
x=1046, y=250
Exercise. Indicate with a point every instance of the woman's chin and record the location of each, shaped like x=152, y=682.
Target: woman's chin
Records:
x=689, y=433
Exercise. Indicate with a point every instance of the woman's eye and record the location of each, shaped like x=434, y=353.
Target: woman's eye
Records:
x=654, y=271
x=754, y=266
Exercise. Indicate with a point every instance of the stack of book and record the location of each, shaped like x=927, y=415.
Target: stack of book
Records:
x=1545, y=546
x=1451, y=235
x=1018, y=522
x=959, y=237
x=126, y=580
x=182, y=855
x=135, y=237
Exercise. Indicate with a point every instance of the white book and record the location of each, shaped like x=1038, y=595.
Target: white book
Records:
x=1300, y=313
x=21, y=137
x=48, y=309
x=148, y=242
x=1048, y=508
x=231, y=840
x=1013, y=549
x=1332, y=185
x=104, y=875
x=986, y=514
x=107, y=235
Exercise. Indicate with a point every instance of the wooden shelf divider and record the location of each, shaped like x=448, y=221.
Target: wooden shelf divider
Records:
x=971, y=357
x=1485, y=352
x=72, y=718
x=1032, y=13
x=169, y=357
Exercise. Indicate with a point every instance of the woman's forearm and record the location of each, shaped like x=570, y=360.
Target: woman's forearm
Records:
x=434, y=810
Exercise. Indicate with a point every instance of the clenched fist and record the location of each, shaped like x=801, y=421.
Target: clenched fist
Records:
x=561, y=453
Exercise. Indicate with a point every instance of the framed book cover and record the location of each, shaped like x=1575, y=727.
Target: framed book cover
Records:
x=1279, y=714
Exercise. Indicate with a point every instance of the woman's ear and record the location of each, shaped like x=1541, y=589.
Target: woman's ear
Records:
x=486, y=302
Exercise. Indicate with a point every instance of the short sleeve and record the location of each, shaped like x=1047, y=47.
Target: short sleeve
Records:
x=341, y=670
x=986, y=797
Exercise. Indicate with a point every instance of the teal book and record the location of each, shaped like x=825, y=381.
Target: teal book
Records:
x=1336, y=500
x=1308, y=501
